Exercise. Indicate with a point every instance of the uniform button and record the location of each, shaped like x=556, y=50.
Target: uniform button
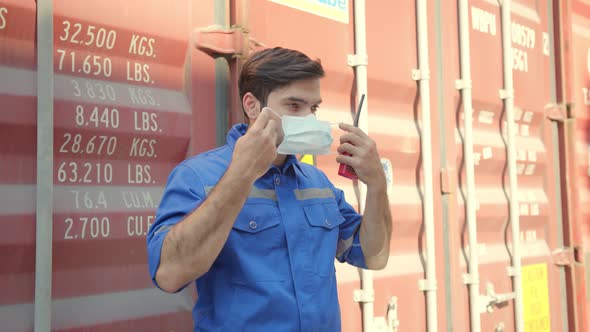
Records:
x=253, y=224
x=328, y=222
x=277, y=181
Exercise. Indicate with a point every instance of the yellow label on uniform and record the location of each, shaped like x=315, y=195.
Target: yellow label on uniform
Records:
x=535, y=291
x=308, y=159
x=333, y=9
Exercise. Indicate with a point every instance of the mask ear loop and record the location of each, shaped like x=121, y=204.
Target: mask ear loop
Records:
x=331, y=152
x=277, y=114
x=282, y=134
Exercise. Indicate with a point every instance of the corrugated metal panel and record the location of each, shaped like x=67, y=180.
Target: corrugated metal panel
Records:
x=123, y=120
x=536, y=193
x=124, y=95
x=394, y=122
x=18, y=153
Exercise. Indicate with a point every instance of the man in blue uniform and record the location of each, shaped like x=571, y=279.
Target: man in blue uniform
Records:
x=257, y=230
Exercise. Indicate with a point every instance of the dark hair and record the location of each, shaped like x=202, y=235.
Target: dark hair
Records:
x=270, y=69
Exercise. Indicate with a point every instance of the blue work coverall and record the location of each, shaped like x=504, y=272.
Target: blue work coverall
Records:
x=276, y=270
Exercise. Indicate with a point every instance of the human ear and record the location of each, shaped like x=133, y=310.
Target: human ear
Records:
x=251, y=106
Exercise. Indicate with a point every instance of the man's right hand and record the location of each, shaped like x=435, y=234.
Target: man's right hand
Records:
x=257, y=149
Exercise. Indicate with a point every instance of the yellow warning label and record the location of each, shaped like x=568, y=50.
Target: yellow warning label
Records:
x=535, y=291
x=333, y=9
x=308, y=159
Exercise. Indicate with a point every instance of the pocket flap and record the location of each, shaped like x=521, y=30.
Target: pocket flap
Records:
x=324, y=215
x=255, y=218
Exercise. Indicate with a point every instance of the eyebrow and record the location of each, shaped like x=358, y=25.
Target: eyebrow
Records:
x=301, y=100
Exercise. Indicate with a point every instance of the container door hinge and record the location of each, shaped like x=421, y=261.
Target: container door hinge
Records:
x=566, y=256
x=364, y=296
x=219, y=41
x=557, y=112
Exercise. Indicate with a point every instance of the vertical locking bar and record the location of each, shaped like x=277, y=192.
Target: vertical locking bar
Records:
x=470, y=203
x=427, y=167
x=359, y=61
x=508, y=95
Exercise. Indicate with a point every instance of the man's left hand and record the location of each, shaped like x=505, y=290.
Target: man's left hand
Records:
x=364, y=157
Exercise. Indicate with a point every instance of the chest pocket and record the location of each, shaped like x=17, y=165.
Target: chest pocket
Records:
x=257, y=246
x=324, y=220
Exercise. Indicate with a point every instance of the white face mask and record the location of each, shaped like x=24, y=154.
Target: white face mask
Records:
x=305, y=135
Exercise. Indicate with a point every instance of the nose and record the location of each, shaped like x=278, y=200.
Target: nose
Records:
x=307, y=112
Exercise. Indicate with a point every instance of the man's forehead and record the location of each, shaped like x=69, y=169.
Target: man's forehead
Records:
x=303, y=99
x=305, y=90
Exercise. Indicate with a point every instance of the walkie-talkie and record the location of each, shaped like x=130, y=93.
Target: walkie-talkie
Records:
x=345, y=170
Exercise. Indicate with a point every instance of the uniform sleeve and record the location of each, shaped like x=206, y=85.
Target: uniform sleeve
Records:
x=184, y=193
x=349, y=245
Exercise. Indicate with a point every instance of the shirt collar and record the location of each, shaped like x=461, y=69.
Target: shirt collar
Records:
x=240, y=129
x=292, y=161
x=236, y=132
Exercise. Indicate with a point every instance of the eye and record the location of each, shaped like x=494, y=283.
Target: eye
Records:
x=293, y=106
x=314, y=108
